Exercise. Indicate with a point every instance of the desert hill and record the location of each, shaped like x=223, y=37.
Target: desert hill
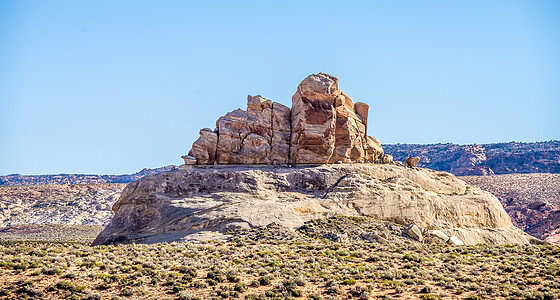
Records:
x=486, y=159
x=531, y=200
x=18, y=179
x=195, y=202
x=70, y=204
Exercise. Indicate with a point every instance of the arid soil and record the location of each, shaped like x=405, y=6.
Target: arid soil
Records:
x=531, y=200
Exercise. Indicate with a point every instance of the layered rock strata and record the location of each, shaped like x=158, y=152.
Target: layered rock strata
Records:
x=181, y=204
x=323, y=126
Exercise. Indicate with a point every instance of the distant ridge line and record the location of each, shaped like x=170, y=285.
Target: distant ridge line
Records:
x=483, y=159
x=461, y=160
x=17, y=179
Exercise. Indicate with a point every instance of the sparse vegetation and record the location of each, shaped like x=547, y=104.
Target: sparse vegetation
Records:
x=313, y=268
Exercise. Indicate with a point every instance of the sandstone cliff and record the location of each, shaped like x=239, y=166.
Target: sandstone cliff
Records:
x=323, y=126
x=181, y=204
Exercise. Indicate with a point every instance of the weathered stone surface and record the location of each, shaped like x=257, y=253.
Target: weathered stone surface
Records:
x=319, y=110
x=204, y=149
x=246, y=137
x=373, y=149
x=412, y=161
x=362, y=110
x=414, y=232
x=314, y=119
x=349, y=132
x=176, y=205
x=281, y=133
x=232, y=130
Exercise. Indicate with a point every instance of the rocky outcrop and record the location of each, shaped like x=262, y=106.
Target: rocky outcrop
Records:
x=178, y=205
x=323, y=126
x=246, y=137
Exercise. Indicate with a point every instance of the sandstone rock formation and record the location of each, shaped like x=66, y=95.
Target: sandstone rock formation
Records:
x=323, y=126
x=178, y=205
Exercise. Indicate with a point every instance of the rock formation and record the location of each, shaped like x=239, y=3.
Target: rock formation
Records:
x=323, y=126
x=178, y=205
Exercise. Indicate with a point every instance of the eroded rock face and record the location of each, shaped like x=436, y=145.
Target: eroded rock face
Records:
x=323, y=126
x=281, y=133
x=314, y=119
x=204, y=149
x=176, y=205
x=246, y=137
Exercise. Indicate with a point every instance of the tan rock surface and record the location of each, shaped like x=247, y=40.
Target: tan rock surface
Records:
x=281, y=133
x=204, y=149
x=314, y=119
x=172, y=206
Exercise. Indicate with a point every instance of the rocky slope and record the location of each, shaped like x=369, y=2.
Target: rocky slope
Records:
x=69, y=204
x=197, y=202
x=531, y=200
x=489, y=159
x=18, y=179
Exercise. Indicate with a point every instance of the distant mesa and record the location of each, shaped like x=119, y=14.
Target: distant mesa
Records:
x=323, y=126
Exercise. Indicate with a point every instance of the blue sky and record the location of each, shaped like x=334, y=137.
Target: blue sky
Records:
x=112, y=87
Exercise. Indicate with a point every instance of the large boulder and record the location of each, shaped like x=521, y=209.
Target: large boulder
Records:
x=179, y=204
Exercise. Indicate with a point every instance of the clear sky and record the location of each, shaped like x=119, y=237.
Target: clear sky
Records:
x=111, y=87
